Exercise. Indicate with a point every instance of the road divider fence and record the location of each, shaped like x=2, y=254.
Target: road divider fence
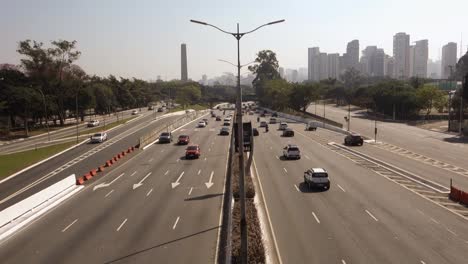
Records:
x=151, y=136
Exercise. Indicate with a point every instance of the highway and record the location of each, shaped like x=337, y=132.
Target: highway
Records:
x=439, y=146
x=79, y=160
x=364, y=217
x=154, y=207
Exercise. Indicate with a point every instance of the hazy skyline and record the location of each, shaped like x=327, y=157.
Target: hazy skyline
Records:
x=142, y=38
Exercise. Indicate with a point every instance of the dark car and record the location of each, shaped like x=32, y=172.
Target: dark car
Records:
x=165, y=137
x=288, y=132
x=354, y=140
x=255, y=131
x=160, y=109
x=218, y=118
x=262, y=115
x=183, y=140
x=274, y=115
x=224, y=131
x=192, y=152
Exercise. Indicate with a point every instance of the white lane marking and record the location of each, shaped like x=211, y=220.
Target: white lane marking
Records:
x=191, y=189
x=205, y=159
x=177, y=182
x=435, y=221
x=103, y=185
x=307, y=157
x=285, y=170
x=341, y=188
x=271, y=148
x=422, y=262
x=277, y=157
x=140, y=183
x=209, y=149
x=109, y=193
x=68, y=226
x=150, y=160
x=343, y=262
x=316, y=218
x=455, y=234
x=166, y=173
x=295, y=186
x=210, y=182
x=133, y=173
x=175, y=224
x=372, y=216
x=162, y=150
x=177, y=160
x=123, y=223
x=149, y=192
x=199, y=171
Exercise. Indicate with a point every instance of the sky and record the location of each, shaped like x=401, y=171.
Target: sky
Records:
x=141, y=38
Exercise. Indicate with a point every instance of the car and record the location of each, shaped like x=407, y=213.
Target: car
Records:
x=218, y=118
x=283, y=126
x=165, y=137
x=262, y=115
x=201, y=124
x=99, y=137
x=226, y=123
x=183, y=140
x=251, y=113
x=192, y=152
x=316, y=177
x=205, y=120
x=291, y=152
x=213, y=114
x=272, y=120
x=274, y=115
x=311, y=126
x=228, y=119
x=354, y=140
x=263, y=124
x=255, y=131
x=135, y=112
x=160, y=109
x=288, y=132
x=150, y=107
x=93, y=123
x=224, y=131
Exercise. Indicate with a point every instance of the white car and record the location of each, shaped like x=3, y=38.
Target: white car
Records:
x=99, y=137
x=316, y=177
x=201, y=124
x=135, y=112
x=291, y=152
x=283, y=126
x=93, y=123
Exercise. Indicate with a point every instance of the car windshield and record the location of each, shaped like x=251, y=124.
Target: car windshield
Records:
x=192, y=148
x=183, y=137
x=293, y=149
x=165, y=134
x=97, y=135
x=319, y=175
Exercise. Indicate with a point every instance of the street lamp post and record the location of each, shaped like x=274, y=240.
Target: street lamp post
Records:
x=243, y=223
x=45, y=112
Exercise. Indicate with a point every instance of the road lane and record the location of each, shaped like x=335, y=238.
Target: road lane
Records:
x=147, y=234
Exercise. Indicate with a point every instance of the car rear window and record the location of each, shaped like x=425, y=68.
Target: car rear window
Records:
x=192, y=148
x=97, y=135
x=319, y=175
x=165, y=134
x=294, y=149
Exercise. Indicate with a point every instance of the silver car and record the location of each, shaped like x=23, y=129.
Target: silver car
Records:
x=99, y=137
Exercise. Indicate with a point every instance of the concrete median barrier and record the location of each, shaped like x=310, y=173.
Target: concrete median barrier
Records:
x=25, y=211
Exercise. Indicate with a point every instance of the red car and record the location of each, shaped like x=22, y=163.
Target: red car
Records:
x=183, y=140
x=192, y=152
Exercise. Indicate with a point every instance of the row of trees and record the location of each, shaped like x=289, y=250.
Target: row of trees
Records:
x=403, y=99
x=50, y=86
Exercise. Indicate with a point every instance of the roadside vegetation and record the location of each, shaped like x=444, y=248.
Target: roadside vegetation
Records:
x=407, y=99
x=11, y=163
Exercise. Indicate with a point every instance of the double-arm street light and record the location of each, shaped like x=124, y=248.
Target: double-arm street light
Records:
x=243, y=224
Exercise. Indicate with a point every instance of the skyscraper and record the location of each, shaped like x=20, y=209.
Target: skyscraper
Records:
x=420, y=57
x=372, y=61
x=183, y=62
x=352, y=54
x=281, y=72
x=313, y=64
x=449, y=59
x=433, y=69
x=388, y=66
x=334, y=65
x=323, y=66
x=401, y=54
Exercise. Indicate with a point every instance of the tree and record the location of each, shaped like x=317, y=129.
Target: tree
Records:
x=187, y=95
x=265, y=70
x=428, y=95
x=302, y=95
x=461, y=68
x=352, y=79
x=277, y=93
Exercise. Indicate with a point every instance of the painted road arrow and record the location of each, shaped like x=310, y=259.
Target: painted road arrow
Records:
x=176, y=183
x=103, y=185
x=136, y=185
x=210, y=182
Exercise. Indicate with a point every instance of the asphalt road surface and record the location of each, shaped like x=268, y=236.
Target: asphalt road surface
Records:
x=363, y=218
x=153, y=208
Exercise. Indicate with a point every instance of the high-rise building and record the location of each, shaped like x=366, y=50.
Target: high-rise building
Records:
x=433, y=69
x=411, y=60
x=388, y=66
x=313, y=64
x=352, y=54
x=334, y=65
x=449, y=59
x=401, y=54
x=281, y=72
x=372, y=61
x=302, y=74
x=294, y=76
x=183, y=62
x=323, y=66
x=419, y=58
